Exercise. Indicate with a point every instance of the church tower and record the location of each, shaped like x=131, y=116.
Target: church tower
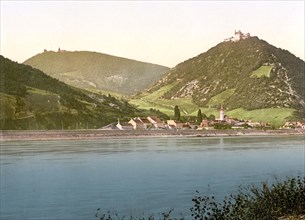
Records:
x=221, y=114
x=119, y=126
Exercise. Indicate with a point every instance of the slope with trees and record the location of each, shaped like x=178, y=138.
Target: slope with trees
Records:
x=30, y=99
x=250, y=75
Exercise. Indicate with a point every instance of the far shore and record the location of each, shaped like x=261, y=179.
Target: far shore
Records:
x=45, y=135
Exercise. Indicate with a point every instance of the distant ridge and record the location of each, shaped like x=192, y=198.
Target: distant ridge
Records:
x=98, y=71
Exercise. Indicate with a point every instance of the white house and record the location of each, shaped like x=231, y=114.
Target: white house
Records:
x=156, y=122
x=140, y=123
x=174, y=124
x=137, y=124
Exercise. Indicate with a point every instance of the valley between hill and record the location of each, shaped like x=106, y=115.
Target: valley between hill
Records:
x=248, y=77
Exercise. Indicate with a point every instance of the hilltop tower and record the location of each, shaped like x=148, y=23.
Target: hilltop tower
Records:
x=221, y=114
x=61, y=51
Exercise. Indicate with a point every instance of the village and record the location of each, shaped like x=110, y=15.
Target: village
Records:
x=222, y=122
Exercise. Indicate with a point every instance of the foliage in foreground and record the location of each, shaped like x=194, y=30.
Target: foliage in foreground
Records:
x=266, y=202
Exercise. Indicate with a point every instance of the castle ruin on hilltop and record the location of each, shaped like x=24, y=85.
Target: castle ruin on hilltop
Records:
x=238, y=35
x=58, y=51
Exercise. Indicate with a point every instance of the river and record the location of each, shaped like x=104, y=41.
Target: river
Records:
x=72, y=179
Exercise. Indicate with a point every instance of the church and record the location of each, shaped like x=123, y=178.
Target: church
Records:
x=221, y=117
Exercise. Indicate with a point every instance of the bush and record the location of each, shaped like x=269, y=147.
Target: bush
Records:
x=222, y=126
x=266, y=202
x=115, y=216
x=263, y=203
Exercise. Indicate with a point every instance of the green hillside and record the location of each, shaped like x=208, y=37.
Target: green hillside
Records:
x=266, y=82
x=31, y=99
x=97, y=71
x=275, y=116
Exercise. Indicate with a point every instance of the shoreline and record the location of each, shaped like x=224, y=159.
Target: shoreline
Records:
x=49, y=135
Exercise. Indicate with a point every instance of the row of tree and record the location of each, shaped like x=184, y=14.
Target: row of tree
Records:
x=200, y=116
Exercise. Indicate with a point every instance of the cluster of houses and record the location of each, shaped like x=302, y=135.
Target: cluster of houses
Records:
x=145, y=123
x=153, y=123
x=292, y=125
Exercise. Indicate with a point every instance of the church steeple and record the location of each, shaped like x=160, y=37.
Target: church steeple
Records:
x=119, y=126
x=221, y=114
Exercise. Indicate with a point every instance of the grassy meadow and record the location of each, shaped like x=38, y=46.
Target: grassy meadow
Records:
x=263, y=71
x=275, y=116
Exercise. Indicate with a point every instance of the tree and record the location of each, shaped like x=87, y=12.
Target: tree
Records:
x=204, y=116
x=177, y=113
x=212, y=117
x=199, y=116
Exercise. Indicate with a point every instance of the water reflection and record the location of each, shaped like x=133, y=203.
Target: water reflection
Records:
x=108, y=146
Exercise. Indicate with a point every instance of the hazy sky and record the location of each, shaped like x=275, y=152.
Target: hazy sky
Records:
x=162, y=32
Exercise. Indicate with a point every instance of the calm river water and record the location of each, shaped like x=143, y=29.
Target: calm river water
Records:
x=72, y=179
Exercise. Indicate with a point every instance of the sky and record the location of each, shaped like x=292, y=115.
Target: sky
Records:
x=161, y=32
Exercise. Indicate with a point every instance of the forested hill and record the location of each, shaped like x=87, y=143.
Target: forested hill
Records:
x=249, y=74
x=30, y=99
x=250, y=78
x=97, y=71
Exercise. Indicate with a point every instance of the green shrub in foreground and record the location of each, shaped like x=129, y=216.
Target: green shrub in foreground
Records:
x=267, y=202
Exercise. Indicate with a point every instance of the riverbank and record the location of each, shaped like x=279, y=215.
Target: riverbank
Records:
x=102, y=134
